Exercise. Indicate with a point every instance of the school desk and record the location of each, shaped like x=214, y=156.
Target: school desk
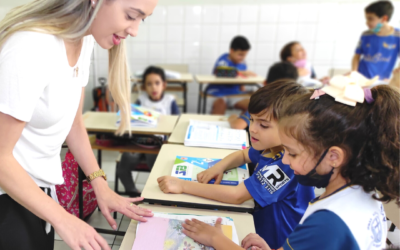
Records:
x=212, y=79
x=179, y=132
x=163, y=166
x=243, y=222
x=182, y=81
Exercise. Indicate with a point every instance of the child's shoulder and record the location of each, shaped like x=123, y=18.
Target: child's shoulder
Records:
x=396, y=32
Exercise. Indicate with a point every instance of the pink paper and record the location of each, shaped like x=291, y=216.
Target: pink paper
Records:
x=151, y=234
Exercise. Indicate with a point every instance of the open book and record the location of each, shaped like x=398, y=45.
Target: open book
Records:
x=141, y=117
x=164, y=232
x=187, y=168
x=214, y=135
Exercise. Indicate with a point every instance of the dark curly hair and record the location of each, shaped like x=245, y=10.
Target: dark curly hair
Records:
x=368, y=133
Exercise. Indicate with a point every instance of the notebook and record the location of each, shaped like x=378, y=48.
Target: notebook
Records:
x=187, y=168
x=164, y=232
x=141, y=117
x=214, y=135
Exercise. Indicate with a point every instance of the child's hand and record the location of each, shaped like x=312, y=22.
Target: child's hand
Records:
x=248, y=73
x=255, y=241
x=212, y=173
x=202, y=232
x=169, y=184
x=233, y=117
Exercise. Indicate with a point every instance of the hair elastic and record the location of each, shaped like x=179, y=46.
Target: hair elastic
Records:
x=368, y=95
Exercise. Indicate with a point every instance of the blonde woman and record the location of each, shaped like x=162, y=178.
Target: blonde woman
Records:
x=45, y=50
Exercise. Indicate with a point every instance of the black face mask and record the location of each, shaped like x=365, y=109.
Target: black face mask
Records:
x=313, y=179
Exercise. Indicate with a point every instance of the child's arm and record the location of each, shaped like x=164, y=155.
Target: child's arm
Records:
x=233, y=160
x=355, y=62
x=227, y=194
x=237, y=122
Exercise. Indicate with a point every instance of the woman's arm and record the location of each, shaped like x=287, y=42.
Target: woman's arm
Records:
x=228, y=194
x=79, y=144
x=20, y=187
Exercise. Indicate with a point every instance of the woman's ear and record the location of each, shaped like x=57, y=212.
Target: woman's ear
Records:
x=336, y=157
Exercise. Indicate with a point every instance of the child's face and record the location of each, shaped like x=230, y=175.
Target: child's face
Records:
x=298, y=53
x=372, y=20
x=263, y=132
x=299, y=159
x=238, y=56
x=154, y=86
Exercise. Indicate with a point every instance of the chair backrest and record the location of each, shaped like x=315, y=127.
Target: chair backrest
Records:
x=338, y=71
x=181, y=68
x=392, y=212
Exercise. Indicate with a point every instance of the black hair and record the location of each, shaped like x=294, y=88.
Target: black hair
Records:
x=282, y=70
x=272, y=97
x=240, y=43
x=153, y=70
x=368, y=133
x=287, y=51
x=381, y=8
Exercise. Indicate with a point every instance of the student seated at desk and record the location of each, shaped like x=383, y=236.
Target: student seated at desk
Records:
x=280, y=200
x=379, y=46
x=354, y=153
x=295, y=53
x=278, y=71
x=154, y=83
x=239, y=48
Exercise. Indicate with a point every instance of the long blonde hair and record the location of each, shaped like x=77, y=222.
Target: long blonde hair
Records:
x=71, y=20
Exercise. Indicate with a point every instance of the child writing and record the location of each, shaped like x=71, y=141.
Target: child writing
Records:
x=278, y=71
x=354, y=153
x=280, y=200
x=239, y=48
x=379, y=47
x=154, y=84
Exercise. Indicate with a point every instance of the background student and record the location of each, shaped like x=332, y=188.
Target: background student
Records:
x=379, y=46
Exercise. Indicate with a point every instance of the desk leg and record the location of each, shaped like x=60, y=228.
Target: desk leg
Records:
x=204, y=102
x=184, y=85
x=199, y=102
x=99, y=157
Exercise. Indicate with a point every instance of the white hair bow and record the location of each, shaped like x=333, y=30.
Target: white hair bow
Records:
x=349, y=89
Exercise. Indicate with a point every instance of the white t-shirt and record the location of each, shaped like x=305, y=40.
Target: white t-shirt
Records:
x=38, y=86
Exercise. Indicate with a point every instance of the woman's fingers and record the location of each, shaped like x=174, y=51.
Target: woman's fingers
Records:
x=102, y=242
x=140, y=211
x=136, y=199
x=107, y=214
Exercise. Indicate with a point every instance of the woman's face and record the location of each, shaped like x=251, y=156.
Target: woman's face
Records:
x=117, y=19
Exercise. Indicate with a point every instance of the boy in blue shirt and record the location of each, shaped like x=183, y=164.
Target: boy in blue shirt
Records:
x=379, y=47
x=239, y=48
x=280, y=201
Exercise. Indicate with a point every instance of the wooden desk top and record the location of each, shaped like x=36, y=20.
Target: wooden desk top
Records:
x=243, y=222
x=105, y=122
x=211, y=79
x=163, y=166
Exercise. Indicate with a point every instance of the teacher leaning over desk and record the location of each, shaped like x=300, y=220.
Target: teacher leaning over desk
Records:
x=45, y=53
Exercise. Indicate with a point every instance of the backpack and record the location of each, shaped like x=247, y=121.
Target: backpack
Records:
x=68, y=194
x=100, y=97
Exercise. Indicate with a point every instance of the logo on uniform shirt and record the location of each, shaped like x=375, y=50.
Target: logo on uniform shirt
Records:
x=389, y=46
x=273, y=178
x=375, y=227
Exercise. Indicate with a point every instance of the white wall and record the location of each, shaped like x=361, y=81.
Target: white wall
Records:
x=196, y=32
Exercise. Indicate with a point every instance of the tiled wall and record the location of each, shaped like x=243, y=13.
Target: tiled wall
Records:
x=197, y=32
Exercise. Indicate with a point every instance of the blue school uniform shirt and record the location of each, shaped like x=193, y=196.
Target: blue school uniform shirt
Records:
x=337, y=222
x=379, y=54
x=246, y=117
x=226, y=89
x=280, y=200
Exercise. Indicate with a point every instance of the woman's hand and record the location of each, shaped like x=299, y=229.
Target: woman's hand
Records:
x=78, y=234
x=214, y=172
x=109, y=202
x=202, y=232
x=254, y=241
x=169, y=184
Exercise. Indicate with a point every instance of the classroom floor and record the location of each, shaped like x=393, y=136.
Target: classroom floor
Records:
x=97, y=220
